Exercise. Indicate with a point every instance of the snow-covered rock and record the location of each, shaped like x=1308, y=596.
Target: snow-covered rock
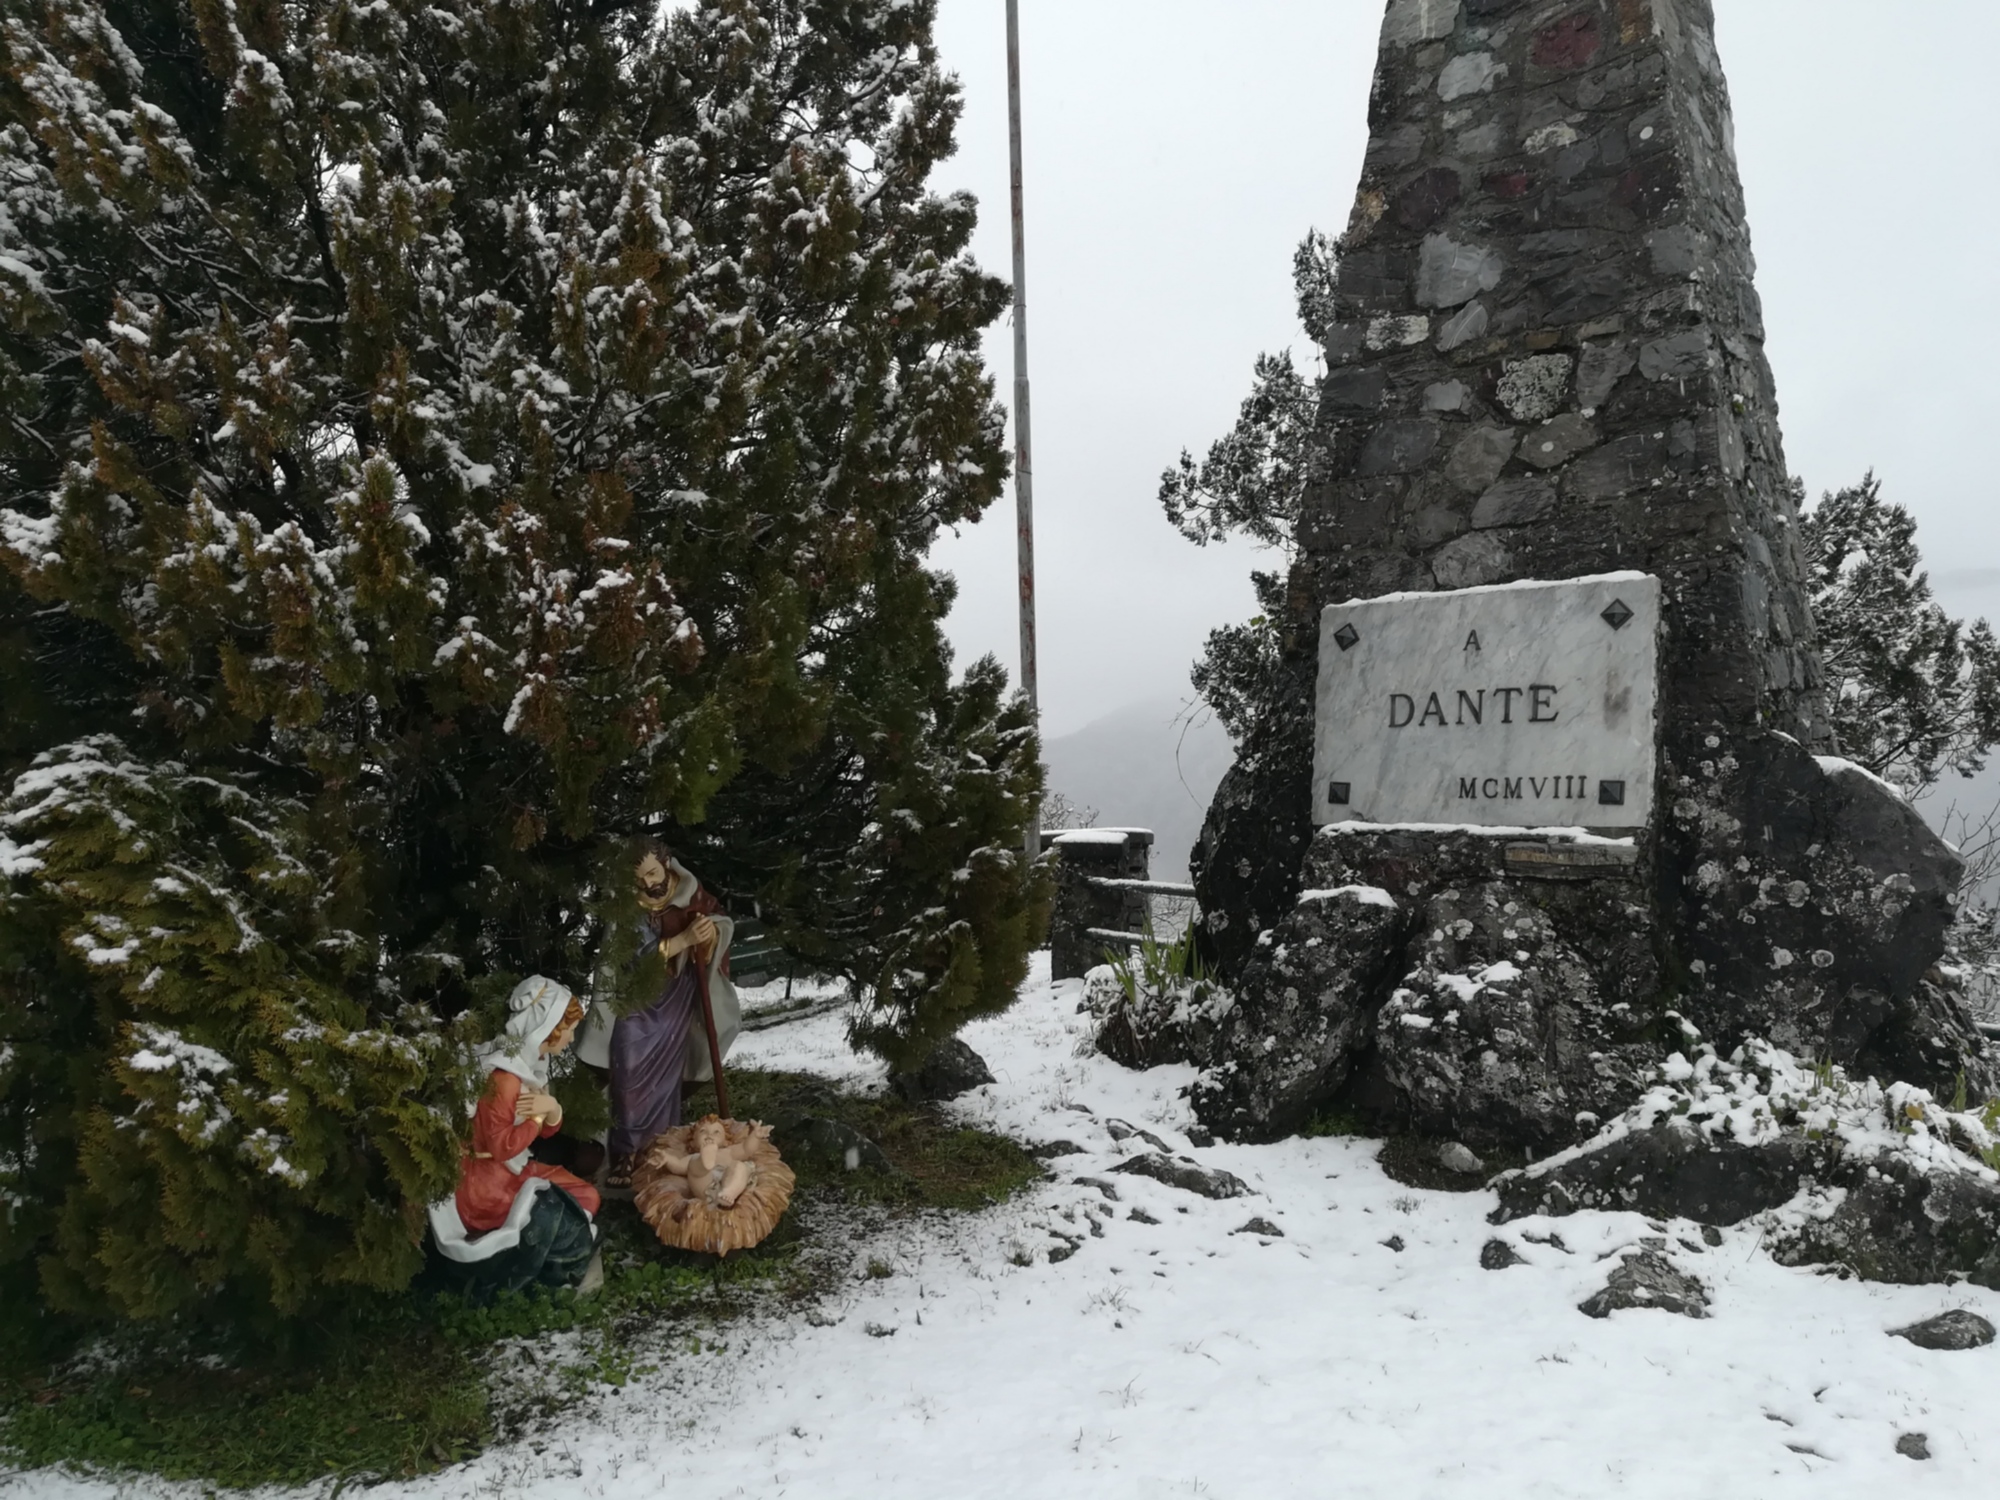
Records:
x=1648, y=1279
x=1885, y=1183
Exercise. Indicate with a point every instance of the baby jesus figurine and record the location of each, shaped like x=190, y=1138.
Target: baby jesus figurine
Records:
x=716, y=1171
x=713, y=1186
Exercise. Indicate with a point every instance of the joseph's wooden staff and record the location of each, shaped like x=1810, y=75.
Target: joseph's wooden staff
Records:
x=707, y=1026
x=714, y=1046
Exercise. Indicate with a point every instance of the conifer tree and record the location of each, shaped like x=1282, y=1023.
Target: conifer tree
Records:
x=1251, y=484
x=1915, y=694
x=437, y=438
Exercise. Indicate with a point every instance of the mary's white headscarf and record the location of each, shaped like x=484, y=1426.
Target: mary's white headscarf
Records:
x=535, y=1010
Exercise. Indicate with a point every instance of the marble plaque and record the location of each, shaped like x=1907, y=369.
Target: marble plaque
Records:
x=1527, y=705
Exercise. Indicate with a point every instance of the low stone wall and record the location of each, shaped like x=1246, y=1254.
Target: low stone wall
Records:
x=1083, y=857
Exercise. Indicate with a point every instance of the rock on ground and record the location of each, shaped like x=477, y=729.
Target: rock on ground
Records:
x=1122, y=1130
x=1648, y=1279
x=1192, y=1177
x=1420, y=979
x=1301, y=1013
x=1671, y=1171
x=1881, y=1182
x=1901, y=1223
x=1417, y=981
x=1818, y=926
x=1049, y=1150
x=1953, y=1331
x=831, y=1144
x=1520, y=1011
x=952, y=1069
x=1453, y=1156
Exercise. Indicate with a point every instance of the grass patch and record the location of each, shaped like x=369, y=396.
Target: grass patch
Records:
x=398, y=1387
x=406, y=1408
x=936, y=1164
x=1334, y=1122
x=401, y=1386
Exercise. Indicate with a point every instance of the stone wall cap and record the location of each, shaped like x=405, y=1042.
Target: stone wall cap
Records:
x=1486, y=831
x=1120, y=836
x=1406, y=595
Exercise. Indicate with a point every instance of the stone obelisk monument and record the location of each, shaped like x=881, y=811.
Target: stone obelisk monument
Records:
x=1545, y=365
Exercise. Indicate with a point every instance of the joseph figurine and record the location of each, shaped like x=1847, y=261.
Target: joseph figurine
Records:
x=660, y=1044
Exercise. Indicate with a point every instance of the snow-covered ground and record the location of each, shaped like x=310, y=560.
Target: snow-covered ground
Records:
x=1180, y=1358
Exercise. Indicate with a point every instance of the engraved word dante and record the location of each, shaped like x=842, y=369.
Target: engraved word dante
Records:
x=1541, y=698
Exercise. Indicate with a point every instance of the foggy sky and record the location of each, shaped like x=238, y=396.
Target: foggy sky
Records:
x=1177, y=150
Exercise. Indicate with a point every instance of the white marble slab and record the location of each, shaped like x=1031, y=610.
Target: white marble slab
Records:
x=1518, y=705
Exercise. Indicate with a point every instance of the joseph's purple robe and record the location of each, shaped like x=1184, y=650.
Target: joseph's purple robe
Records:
x=648, y=1052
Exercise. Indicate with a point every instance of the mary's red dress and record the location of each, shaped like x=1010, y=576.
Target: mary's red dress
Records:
x=486, y=1187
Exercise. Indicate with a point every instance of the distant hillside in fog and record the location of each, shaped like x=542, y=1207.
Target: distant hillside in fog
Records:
x=1145, y=767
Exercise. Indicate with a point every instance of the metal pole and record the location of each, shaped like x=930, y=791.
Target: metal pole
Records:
x=1024, y=471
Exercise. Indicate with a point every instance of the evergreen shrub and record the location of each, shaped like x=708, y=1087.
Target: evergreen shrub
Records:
x=435, y=439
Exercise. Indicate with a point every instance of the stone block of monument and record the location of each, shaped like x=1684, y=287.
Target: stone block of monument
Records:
x=1545, y=362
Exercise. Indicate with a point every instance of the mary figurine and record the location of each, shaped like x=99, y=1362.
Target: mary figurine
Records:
x=515, y=1222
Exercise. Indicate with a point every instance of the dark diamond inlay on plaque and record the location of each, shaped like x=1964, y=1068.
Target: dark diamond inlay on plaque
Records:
x=1347, y=637
x=1618, y=614
x=1611, y=793
x=1337, y=795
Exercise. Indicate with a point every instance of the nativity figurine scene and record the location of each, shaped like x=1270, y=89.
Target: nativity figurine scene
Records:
x=714, y=1187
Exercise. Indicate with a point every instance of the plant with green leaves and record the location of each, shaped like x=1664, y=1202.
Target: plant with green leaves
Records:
x=1155, y=968
x=436, y=439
